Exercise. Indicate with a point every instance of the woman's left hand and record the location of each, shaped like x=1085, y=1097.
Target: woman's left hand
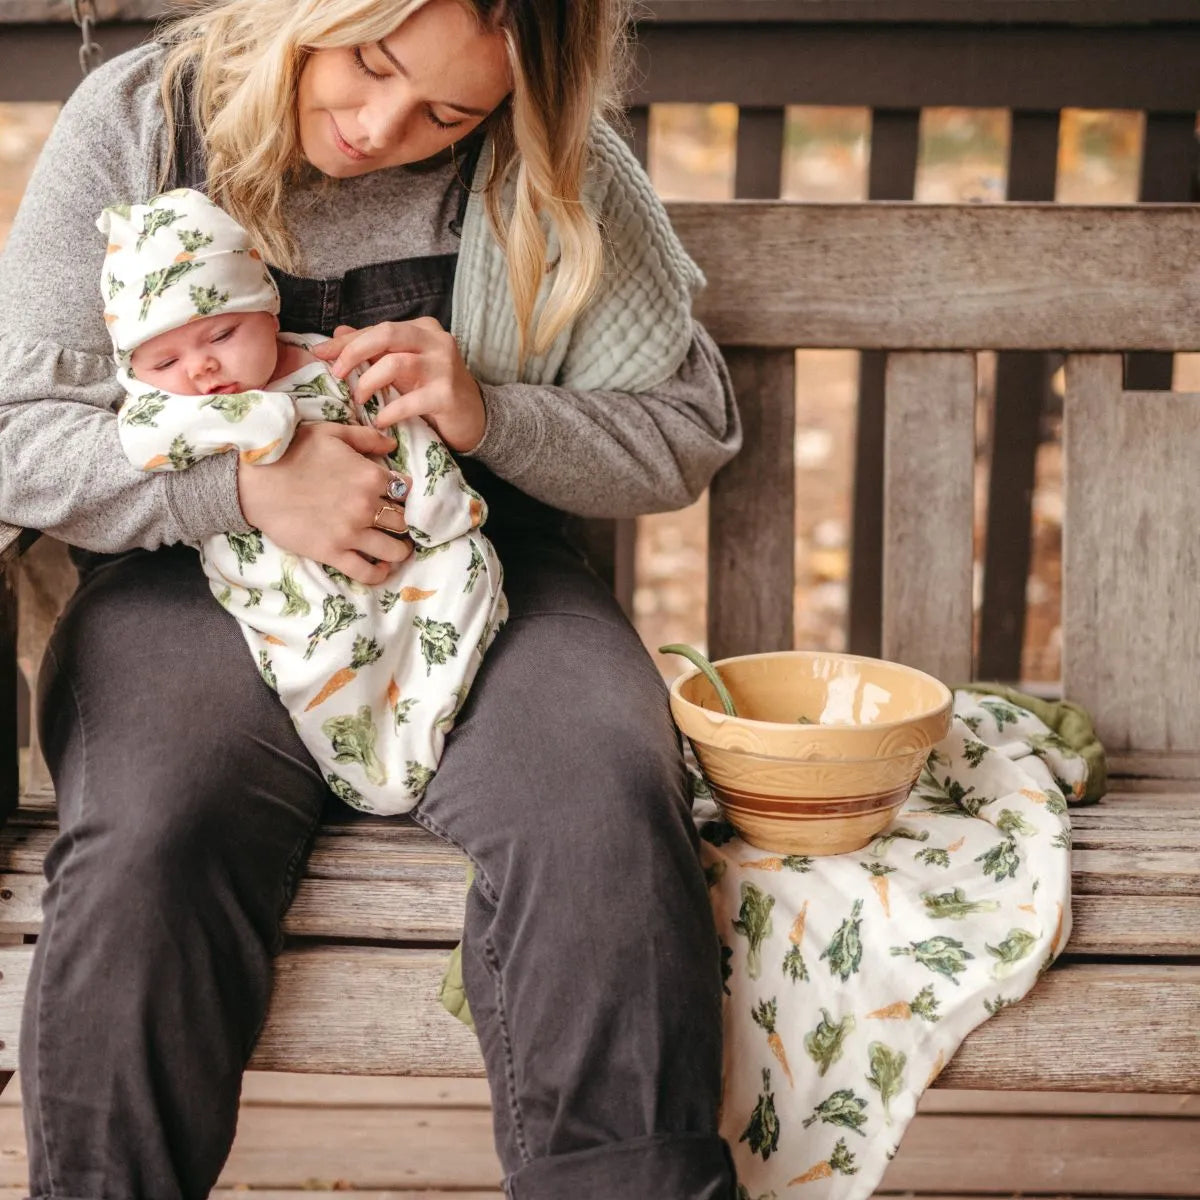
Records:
x=422, y=362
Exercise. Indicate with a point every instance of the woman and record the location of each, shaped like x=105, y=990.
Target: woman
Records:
x=341, y=133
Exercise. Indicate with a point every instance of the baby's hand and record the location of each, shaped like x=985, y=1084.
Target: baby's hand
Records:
x=422, y=362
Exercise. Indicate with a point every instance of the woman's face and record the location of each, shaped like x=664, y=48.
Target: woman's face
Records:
x=404, y=98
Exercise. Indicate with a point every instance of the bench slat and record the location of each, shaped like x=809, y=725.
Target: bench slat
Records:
x=928, y=531
x=949, y=277
x=373, y=1011
x=752, y=522
x=1131, y=622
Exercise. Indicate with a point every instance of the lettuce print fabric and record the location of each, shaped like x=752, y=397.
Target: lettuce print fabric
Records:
x=851, y=980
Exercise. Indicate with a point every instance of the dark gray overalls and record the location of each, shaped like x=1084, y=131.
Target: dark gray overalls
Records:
x=187, y=806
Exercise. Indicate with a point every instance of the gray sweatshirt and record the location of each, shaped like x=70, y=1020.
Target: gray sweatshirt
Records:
x=62, y=470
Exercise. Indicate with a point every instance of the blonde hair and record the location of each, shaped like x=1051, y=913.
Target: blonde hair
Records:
x=567, y=59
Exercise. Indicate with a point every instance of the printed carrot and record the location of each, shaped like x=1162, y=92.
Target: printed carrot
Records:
x=950, y=849
x=1036, y=797
x=409, y=594
x=796, y=933
x=393, y=693
x=841, y=1160
x=764, y=1014
x=765, y=864
x=924, y=1005
x=183, y=256
x=900, y=1011
x=366, y=651
x=159, y=460
x=1027, y=908
x=273, y=640
x=879, y=882
x=253, y=456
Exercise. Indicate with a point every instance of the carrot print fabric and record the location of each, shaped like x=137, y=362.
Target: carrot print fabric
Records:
x=851, y=980
x=374, y=678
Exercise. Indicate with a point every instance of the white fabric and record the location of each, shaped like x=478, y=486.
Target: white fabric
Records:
x=402, y=656
x=873, y=966
x=176, y=258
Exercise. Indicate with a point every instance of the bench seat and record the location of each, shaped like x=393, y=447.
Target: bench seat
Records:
x=382, y=901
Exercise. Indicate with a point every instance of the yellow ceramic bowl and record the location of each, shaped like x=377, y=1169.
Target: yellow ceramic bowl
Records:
x=825, y=747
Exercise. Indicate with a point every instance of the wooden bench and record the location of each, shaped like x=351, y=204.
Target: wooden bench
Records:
x=381, y=901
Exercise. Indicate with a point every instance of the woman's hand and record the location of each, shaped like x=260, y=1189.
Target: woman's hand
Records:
x=422, y=362
x=320, y=500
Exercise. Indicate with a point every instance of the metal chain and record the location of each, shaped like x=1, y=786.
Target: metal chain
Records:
x=83, y=13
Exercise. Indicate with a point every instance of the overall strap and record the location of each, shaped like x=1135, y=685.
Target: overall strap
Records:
x=189, y=165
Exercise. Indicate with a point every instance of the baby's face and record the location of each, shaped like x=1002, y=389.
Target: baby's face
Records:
x=227, y=352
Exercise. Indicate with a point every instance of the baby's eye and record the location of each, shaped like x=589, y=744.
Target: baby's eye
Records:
x=165, y=365
x=224, y=334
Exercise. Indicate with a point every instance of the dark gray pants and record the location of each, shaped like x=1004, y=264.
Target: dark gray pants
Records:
x=187, y=804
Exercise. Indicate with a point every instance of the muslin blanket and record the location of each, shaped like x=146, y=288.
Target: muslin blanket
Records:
x=852, y=979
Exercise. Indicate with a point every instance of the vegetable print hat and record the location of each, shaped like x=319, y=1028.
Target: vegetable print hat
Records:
x=175, y=259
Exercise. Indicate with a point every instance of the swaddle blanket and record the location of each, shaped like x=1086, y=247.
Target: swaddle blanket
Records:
x=851, y=980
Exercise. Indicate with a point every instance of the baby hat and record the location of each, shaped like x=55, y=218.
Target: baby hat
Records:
x=174, y=259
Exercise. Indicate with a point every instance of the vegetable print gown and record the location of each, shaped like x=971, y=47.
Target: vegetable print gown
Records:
x=373, y=677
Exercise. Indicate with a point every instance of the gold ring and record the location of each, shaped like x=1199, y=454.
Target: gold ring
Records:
x=382, y=509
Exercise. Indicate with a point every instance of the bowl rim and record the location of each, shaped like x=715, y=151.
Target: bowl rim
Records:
x=820, y=730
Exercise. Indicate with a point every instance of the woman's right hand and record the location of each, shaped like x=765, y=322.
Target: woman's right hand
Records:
x=319, y=500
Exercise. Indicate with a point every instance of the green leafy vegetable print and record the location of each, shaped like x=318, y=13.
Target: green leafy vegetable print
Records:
x=181, y=454
x=207, y=300
x=954, y=904
x=388, y=600
x=143, y=410
x=1055, y=804
x=754, y=924
x=844, y=951
x=193, y=239
x=994, y=1006
x=887, y=1074
x=1015, y=946
x=1050, y=740
x=1002, y=712
x=933, y=857
x=882, y=843
x=114, y=286
x=294, y=602
x=364, y=652
x=949, y=798
x=155, y=219
x=232, y=407
x=352, y=739
x=245, y=546
x=944, y=955
x=974, y=751
x=224, y=596
x=337, y=614
x=1061, y=840
x=762, y=1130
x=842, y=1108
x=403, y=708
x=343, y=791
x=1001, y=861
x=972, y=722
x=473, y=568
x=331, y=410
x=826, y=1042
x=157, y=282
x=417, y=777
x=253, y=597
x=924, y=1004
x=1013, y=823
x=266, y=671
x=438, y=640
x=841, y=1161
x=793, y=965
x=438, y=464
x=344, y=581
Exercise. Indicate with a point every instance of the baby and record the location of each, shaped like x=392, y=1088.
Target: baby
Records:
x=373, y=677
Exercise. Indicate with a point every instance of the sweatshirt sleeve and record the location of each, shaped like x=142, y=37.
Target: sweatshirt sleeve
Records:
x=613, y=453
x=62, y=469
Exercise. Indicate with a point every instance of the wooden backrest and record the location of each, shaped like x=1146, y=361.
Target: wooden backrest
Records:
x=931, y=286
